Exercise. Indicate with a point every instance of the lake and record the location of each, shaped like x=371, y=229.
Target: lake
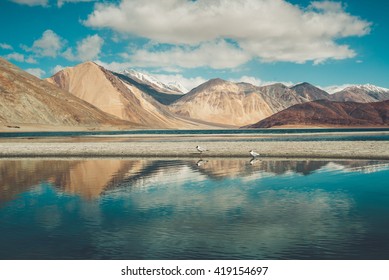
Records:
x=295, y=134
x=193, y=209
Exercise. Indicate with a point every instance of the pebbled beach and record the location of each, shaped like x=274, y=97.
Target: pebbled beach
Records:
x=185, y=148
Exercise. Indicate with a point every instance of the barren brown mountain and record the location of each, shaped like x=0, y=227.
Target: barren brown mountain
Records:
x=120, y=98
x=28, y=101
x=235, y=104
x=330, y=113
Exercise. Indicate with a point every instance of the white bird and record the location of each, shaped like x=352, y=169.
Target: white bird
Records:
x=200, y=149
x=254, y=154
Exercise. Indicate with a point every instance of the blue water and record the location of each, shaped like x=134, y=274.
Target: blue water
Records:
x=183, y=209
x=322, y=134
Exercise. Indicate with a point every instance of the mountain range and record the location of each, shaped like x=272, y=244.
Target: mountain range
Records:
x=236, y=104
x=115, y=95
x=89, y=95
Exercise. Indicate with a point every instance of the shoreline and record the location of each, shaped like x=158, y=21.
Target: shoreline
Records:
x=369, y=150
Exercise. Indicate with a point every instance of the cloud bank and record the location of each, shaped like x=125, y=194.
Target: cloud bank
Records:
x=202, y=32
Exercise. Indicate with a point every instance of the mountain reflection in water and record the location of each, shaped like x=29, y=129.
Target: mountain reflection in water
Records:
x=193, y=209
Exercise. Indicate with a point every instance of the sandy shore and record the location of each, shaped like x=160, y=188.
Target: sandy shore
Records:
x=180, y=149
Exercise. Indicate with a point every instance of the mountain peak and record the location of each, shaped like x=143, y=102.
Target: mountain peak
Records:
x=368, y=87
x=309, y=91
x=276, y=85
x=303, y=84
x=215, y=84
x=173, y=86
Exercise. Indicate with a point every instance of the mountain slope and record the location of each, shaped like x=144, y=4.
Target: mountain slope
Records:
x=122, y=99
x=361, y=93
x=25, y=99
x=330, y=113
x=163, y=96
x=234, y=104
x=310, y=92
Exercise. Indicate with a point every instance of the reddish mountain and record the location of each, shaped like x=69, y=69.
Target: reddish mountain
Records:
x=330, y=113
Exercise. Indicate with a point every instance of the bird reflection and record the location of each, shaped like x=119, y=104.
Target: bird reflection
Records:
x=201, y=162
x=254, y=161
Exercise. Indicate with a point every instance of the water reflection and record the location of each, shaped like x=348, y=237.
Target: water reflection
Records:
x=91, y=178
x=191, y=209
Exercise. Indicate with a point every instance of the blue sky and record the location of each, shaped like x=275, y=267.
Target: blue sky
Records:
x=259, y=41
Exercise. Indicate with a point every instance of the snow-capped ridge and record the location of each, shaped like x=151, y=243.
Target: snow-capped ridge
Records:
x=365, y=87
x=173, y=86
x=370, y=87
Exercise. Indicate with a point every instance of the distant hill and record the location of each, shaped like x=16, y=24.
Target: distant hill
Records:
x=329, y=113
x=27, y=100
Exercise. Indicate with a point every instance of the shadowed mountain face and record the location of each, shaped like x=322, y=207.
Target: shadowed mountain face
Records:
x=117, y=97
x=25, y=99
x=228, y=103
x=161, y=96
x=310, y=92
x=330, y=113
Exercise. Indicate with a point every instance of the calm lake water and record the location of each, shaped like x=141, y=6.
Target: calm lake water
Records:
x=188, y=209
x=309, y=134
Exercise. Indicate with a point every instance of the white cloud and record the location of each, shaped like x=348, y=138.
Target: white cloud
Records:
x=271, y=30
x=258, y=82
x=5, y=46
x=87, y=49
x=32, y=2
x=115, y=66
x=248, y=79
x=61, y=2
x=37, y=72
x=31, y=60
x=335, y=88
x=20, y=58
x=15, y=56
x=90, y=47
x=56, y=69
x=217, y=55
x=49, y=44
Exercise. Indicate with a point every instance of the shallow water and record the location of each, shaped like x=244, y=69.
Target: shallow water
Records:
x=309, y=134
x=183, y=209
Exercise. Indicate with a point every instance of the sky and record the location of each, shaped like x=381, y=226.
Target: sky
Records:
x=325, y=43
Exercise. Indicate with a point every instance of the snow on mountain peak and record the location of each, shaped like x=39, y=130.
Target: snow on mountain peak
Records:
x=366, y=87
x=372, y=88
x=173, y=86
